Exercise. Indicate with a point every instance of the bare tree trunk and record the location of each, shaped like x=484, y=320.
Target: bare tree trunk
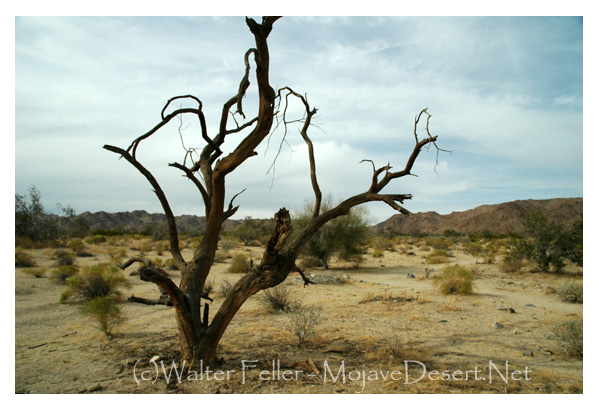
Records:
x=200, y=335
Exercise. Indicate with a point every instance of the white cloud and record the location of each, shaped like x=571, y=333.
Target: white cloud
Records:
x=505, y=94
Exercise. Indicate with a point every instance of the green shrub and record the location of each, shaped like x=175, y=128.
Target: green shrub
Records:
x=240, y=263
x=569, y=336
x=455, y=279
x=100, y=280
x=570, y=292
x=23, y=259
x=105, y=311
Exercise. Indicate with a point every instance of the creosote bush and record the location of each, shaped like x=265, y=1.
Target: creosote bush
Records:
x=569, y=336
x=100, y=280
x=570, y=292
x=105, y=311
x=455, y=279
x=64, y=257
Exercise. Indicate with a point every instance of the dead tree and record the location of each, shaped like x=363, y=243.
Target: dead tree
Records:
x=199, y=329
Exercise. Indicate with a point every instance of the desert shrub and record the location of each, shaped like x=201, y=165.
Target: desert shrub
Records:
x=239, y=263
x=455, y=279
x=221, y=256
x=23, y=259
x=277, y=299
x=64, y=257
x=100, y=280
x=570, y=292
x=96, y=239
x=62, y=272
x=25, y=242
x=302, y=321
x=309, y=262
x=437, y=257
x=37, y=272
x=512, y=266
x=439, y=243
x=105, y=311
x=569, y=337
x=77, y=245
x=344, y=236
x=170, y=264
x=547, y=244
x=225, y=287
x=378, y=253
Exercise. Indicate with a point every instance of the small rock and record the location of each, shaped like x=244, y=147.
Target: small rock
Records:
x=497, y=325
x=530, y=305
x=442, y=321
x=528, y=353
x=512, y=311
x=410, y=275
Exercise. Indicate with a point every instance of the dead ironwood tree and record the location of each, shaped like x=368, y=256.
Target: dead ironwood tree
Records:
x=199, y=334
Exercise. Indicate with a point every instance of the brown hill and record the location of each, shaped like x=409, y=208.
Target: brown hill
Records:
x=139, y=221
x=498, y=218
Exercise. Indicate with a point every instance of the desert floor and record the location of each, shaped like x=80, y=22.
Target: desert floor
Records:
x=445, y=343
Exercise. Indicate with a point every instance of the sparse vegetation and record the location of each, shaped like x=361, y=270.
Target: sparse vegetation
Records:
x=570, y=292
x=344, y=236
x=240, y=263
x=100, y=280
x=23, y=259
x=277, y=299
x=568, y=334
x=455, y=280
x=547, y=244
x=105, y=311
x=437, y=257
x=302, y=322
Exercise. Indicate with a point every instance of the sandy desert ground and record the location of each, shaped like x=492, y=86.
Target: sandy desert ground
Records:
x=446, y=343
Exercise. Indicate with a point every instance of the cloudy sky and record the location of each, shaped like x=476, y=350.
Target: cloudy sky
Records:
x=505, y=94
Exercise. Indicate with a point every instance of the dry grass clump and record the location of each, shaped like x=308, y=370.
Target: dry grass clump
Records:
x=387, y=297
x=23, y=259
x=437, y=257
x=570, y=292
x=37, y=272
x=277, y=299
x=455, y=279
x=511, y=266
x=240, y=263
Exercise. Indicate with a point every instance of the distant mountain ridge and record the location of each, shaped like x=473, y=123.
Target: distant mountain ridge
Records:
x=140, y=220
x=497, y=218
